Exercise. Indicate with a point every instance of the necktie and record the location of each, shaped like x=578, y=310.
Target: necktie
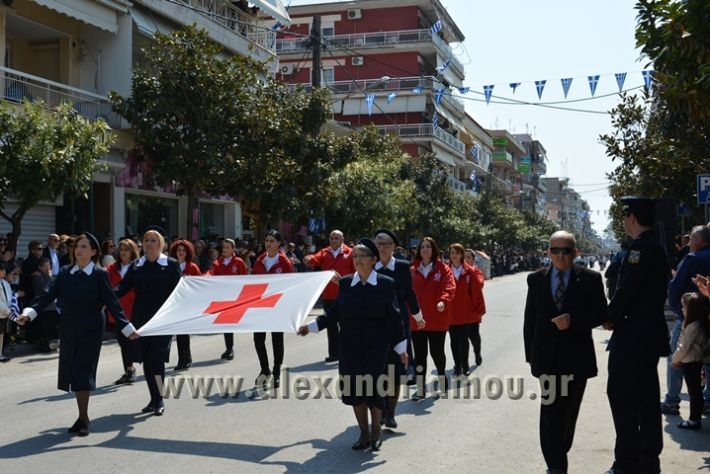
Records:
x=560, y=292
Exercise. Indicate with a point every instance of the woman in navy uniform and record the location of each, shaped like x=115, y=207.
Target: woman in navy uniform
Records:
x=81, y=292
x=153, y=277
x=398, y=270
x=370, y=327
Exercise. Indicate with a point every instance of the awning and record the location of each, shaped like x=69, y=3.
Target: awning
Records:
x=275, y=9
x=456, y=123
x=148, y=24
x=90, y=12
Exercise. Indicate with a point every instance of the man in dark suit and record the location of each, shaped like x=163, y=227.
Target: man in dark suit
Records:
x=564, y=302
x=639, y=340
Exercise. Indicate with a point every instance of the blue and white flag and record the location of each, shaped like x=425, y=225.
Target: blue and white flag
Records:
x=475, y=153
x=391, y=96
x=540, y=86
x=464, y=90
x=14, y=307
x=444, y=66
x=436, y=27
x=472, y=176
x=435, y=120
x=438, y=93
x=278, y=26
x=514, y=85
x=566, y=83
x=369, y=100
x=417, y=90
x=488, y=91
x=647, y=76
x=593, y=81
x=620, y=78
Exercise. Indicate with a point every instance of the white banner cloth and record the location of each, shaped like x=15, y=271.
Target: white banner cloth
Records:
x=245, y=303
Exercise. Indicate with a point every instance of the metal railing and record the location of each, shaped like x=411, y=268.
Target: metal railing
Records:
x=16, y=86
x=376, y=39
x=424, y=130
x=400, y=84
x=235, y=19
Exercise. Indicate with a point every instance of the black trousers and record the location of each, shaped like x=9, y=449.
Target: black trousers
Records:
x=691, y=374
x=333, y=332
x=229, y=341
x=423, y=342
x=458, y=335
x=475, y=336
x=559, y=418
x=154, y=368
x=183, y=347
x=123, y=342
x=633, y=390
x=277, y=343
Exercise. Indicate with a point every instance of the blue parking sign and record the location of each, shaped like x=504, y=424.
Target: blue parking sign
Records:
x=703, y=189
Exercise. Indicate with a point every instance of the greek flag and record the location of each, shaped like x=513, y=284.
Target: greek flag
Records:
x=435, y=120
x=438, y=93
x=593, y=81
x=14, y=308
x=436, y=27
x=369, y=100
x=620, y=78
x=391, y=96
x=444, y=66
x=488, y=91
x=464, y=90
x=566, y=83
x=647, y=75
x=417, y=90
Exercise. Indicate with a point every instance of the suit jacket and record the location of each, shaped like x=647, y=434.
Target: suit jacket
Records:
x=693, y=264
x=549, y=350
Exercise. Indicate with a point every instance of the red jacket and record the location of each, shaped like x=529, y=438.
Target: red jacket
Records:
x=284, y=265
x=236, y=267
x=114, y=276
x=191, y=269
x=439, y=285
x=468, y=305
x=342, y=263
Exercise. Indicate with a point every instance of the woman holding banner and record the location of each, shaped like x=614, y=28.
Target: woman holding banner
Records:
x=273, y=261
x=370, y=327
x=183, y=251
x=153, y=277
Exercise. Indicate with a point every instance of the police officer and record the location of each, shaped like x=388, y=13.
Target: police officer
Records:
x=639, y=339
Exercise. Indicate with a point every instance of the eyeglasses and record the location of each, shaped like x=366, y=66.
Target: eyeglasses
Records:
x=561, y=250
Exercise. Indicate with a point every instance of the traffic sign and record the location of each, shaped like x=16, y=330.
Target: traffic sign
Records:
x=704, y=189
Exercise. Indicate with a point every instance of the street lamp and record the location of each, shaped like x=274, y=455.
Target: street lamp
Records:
x=378, y=83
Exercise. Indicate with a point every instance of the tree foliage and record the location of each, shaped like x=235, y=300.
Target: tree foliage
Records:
x=44, y=153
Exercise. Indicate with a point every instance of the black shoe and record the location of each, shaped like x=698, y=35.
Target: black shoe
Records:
x=148, y=408
x=331, y=359
x=390, y=422
x=667, y=409
x=4, y=359
x=159, y=410
x=376, y=442
x=127, y=378
x=457, y=371
x=690, y=425
x=360, y=445
x=411, y=381
x=76, y=426
x=182, y=366
x=479, y=359
x=276, y=383
x=228, y=354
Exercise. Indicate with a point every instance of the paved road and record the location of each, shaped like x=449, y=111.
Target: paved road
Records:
x=241, y=434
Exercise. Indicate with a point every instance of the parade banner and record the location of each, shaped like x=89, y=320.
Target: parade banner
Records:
x=245, y=303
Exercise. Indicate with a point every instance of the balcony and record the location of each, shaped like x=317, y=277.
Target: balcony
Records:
x=17, y=86
x=424, y=130
x=373, y=40
x=458, y=185
x=401, y=84
x=502, y=157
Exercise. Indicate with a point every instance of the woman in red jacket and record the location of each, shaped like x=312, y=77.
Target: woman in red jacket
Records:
x=127, y=252
x=184, y=252
x=273, y=261
x=465, y=309
x=228, y=264
x=474, y=334
x=435, y=288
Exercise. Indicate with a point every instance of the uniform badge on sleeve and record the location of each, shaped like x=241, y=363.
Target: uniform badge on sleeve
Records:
x=634, y=256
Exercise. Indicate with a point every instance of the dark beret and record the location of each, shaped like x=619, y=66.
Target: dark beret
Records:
x=274, y=233
x=391, y=234
x=370, y=245
x=93, y=241
x=157, y=229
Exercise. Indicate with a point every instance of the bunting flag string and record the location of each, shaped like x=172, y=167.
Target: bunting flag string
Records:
x=593, y=81
x=438, y=93
x=464, y=90
x=514, y=85
x=540, y=85
x=647, y=76
x=488, y=91
x=370, y=101
x=620, y=79
x=566, y=83
x=391, y=96
x=444, y=66
x=417, y=90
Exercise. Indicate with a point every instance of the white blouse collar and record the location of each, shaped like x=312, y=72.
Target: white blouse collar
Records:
x=162, y=260
x=89, y=269
x=372, y=279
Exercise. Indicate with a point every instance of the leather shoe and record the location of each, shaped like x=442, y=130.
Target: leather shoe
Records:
x=360, y=445
x=331, y=359
x=228, y=354
x=148, y=409
x=276, y=382
x=667, y=409
x=390, y=422
x=479, y=359
x=376, y=442
x=127, y=378
x=182, y=366
x=158, y=411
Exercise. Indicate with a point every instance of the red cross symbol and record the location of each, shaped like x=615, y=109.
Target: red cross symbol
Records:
x=231, y=312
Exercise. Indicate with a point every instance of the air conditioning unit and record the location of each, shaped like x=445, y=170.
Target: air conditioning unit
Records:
x=357, y=61
x=354, y=14
x=286, y=69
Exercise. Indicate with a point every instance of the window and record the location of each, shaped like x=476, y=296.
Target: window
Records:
x=327, y=31
x=327, y=75
x=142, y=211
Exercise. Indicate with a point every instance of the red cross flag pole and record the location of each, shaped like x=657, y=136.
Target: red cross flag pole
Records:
x=255, y=303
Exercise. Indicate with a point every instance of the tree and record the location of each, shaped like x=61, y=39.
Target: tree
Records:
x=44, y=153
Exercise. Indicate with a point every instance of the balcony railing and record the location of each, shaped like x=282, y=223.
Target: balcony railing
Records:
x=234, y=18
x=424, y=130
x=16, y=86
x=502, y=157
x=376, y=39
x=400, y=84
x=458, y=185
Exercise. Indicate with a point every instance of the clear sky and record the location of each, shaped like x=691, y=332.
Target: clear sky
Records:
x=524, y=41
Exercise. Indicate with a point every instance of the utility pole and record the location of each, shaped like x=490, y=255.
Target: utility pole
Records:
x=316, y=41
